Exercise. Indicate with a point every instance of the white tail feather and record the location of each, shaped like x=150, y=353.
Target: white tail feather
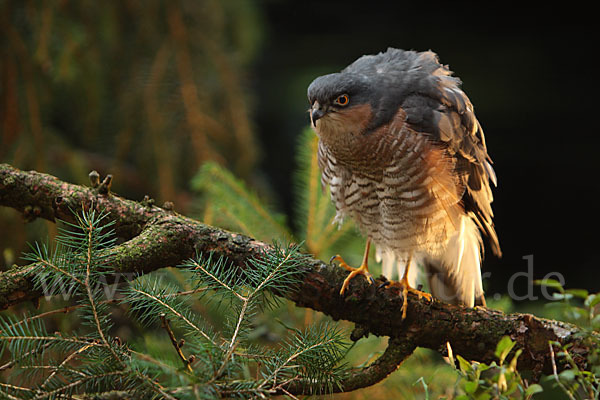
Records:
x=460, y=244
x=455, y=276
x=462, y=262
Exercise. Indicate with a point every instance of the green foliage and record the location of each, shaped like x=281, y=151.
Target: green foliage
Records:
x=229, y=204
x=200, y=363
x=161, y=95
x=145, y=90
x=501, y=380
x=227, y=358
x=577, y=306
x=198, y=331
x=497, y=380
x=581, y=308
x=76, y=263
x=226, y=202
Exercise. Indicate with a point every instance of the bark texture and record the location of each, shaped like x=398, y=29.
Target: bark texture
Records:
x=154, y=237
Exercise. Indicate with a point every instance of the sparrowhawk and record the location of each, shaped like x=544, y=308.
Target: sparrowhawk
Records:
x=405, y=157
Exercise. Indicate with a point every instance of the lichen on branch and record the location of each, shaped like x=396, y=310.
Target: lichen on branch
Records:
x=155, y=237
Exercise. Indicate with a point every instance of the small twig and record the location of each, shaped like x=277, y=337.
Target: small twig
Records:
x=62, y=310
x=66, y=360
x=94, y=178
x=272, y=274
x=187, y=292
x=79, y=340
x=288, y=393
x=42, y=315
x=245, y=300
x=170, y=239
x=87, y=285
x=108, y=395
x=155, y=386
x=12, y=387
x=15, y=360
x=177, y=314
x=396, y=352
x=165, y=324
x=76, y=383
x=104, y=187
x=154, y=361
x=287, y=364
x=555, y=373
x=46, y=263
x=233, y=343
x=213, y=277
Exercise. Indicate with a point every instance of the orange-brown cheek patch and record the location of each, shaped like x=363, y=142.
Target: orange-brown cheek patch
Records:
x=355, y=118
x=344, y=121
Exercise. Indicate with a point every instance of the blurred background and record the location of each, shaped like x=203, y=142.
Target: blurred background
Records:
x=150, y=90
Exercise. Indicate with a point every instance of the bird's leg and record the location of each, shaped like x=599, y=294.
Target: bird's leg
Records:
x=362, y=270
x=406, y=288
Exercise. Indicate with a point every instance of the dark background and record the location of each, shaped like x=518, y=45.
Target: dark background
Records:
x=531, y=75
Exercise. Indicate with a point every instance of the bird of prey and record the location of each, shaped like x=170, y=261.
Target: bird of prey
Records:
x=405, y=157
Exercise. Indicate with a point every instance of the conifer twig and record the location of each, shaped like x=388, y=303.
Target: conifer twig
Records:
x=76, y=383
x=176, y=313
x=175, y=343
x=90, y=231
x=245, y=301
x=169, y=239
x=64, y=362
x=13, y=387
x=16, y=360
x=45, y=314
x=45, y=263
x=233, y=342
x=395, y=353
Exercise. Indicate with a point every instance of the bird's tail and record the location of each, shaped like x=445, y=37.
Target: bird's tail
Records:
x=455, y=277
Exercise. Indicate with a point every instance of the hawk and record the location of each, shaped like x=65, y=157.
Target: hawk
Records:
x=405, y=157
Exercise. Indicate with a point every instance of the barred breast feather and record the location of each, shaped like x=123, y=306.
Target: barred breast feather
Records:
x=410, y=166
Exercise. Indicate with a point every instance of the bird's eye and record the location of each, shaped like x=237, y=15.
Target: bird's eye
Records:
x=342, y=100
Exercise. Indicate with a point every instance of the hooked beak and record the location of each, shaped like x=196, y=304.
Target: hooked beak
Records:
x=316, y=112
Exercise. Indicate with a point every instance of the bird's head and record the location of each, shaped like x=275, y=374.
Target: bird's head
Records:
x=341, y=105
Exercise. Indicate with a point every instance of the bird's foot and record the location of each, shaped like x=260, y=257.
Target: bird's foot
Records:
x=362, y=270
x=405, y=286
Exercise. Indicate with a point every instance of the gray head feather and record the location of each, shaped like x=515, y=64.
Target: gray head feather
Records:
x=386, y=81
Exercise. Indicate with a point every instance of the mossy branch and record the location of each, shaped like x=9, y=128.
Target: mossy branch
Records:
x=155, y=237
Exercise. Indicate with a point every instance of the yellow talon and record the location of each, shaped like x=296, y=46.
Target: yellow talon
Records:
x=362, y=270
x=403, y=283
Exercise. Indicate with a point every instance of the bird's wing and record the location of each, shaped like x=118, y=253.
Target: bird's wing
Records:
x=436, y=106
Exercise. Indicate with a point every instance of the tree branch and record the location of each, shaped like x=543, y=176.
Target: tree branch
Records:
x=157, y=237
x=397, y=351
